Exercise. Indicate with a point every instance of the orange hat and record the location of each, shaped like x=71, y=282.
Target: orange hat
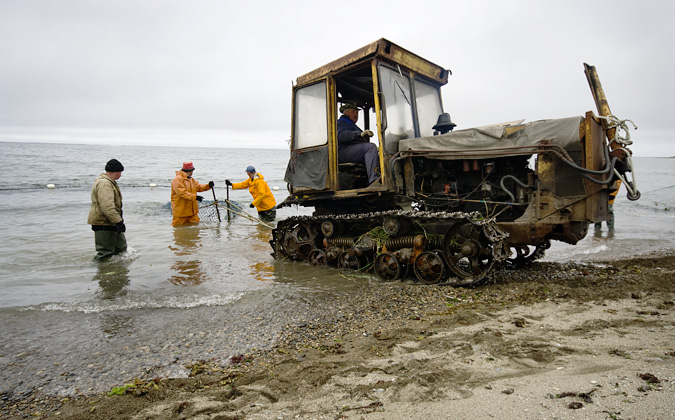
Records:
x=188, y=166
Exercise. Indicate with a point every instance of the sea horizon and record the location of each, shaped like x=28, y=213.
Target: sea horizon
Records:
x=144, y=136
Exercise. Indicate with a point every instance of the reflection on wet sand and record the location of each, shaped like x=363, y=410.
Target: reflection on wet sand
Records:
x=264, y=234
x=262, y=270
x=113, y=278
x=114, y=325
x=608, y=234
x=189, y=272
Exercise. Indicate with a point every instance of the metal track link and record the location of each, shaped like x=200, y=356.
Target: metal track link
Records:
x=295, y=236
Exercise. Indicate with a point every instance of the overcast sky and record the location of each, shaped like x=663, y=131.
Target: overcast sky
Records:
x=219, y=73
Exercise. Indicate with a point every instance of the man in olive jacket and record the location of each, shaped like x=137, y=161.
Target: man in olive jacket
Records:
x=105, y=213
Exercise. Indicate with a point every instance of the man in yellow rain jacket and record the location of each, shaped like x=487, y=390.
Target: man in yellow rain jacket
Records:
x=263, y=200
x=184, y=198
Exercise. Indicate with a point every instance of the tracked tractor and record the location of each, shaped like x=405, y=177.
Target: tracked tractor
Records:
x=450, y=204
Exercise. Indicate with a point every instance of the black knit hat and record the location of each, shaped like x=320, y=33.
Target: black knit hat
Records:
x=114, y=165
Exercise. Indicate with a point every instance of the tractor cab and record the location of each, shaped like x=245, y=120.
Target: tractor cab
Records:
x=398, y=97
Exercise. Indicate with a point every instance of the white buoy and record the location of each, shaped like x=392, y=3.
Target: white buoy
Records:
x=153, y=185
x=276, y=188
x=51, y=186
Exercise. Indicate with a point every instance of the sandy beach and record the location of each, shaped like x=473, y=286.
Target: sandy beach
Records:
x=553, y=341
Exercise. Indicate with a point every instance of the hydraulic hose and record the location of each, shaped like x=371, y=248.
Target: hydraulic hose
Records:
x=517, y=181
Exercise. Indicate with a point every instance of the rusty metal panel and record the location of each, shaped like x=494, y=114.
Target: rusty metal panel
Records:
x=409, y=177
x=525, y=233
x=600, y=99
x=378, y=122
x=568, y=182
x=385, y=50
x=332, y=179
x=417, y=64
x=594, y=144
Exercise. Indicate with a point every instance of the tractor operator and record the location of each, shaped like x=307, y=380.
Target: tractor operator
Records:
x=354, y=144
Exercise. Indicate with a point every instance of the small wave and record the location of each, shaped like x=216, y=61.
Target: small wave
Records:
x=84, y=186
x=170, y=302
x=33, y=187
x=565, y=252
x=125, y=257
x=595, y=250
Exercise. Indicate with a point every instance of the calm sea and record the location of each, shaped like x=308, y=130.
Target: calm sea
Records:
x=45, y=256
x=59, y=312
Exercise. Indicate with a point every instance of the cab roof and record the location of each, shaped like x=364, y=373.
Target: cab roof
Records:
x=384, y=50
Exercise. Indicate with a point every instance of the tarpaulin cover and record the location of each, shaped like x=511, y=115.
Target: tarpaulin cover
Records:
x=490, y=141
x=308, y=168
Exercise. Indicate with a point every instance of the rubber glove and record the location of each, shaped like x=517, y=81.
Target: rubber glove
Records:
x=200, y=198
x=120, y=227
x=251, y=206
x=227, y=182
x=211, y=184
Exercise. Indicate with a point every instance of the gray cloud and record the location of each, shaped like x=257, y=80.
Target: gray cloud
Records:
x=224, y=71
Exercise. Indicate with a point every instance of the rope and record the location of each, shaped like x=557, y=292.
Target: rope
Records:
x=659, y=189
x=209, y=211
x=614, y=122
x=622, y=125
x=238, y=210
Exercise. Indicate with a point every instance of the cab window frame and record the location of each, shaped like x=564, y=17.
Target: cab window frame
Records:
x=387, y=92
x=316, y=126
x=432, y=118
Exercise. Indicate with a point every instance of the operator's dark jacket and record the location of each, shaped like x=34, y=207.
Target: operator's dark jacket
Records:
x=348, y=131
x=352, y=148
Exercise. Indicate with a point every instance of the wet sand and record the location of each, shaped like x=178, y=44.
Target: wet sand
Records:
x=553, y=341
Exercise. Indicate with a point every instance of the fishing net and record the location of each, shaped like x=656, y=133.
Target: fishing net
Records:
x=210, y=212
x=660, y=199
x=215, y=212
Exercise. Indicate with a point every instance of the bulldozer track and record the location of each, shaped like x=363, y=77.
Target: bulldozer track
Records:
x=454, y=248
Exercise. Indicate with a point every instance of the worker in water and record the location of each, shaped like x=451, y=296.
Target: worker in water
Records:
x=105, y=212
x=354, y=144
x=610, y=208
x=184, y=198
x=263, y=200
